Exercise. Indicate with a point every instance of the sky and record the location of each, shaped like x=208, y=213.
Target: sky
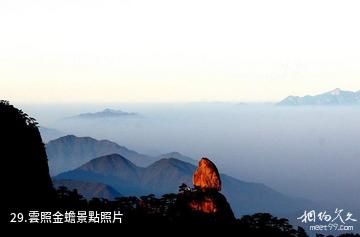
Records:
x=176, y=51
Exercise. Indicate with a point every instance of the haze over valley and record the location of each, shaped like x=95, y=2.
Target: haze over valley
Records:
x=305, y=152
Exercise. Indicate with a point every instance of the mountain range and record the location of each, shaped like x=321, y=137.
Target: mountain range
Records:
x=166, y=175
x=334, y=97
x=88, y=190
x=69, y=152
x=106, y=113
x=178, y=156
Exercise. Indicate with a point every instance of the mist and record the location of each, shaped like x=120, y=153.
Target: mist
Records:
x=307, y=152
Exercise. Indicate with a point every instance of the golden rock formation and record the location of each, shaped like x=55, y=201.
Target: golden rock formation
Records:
x=206, y=176
x=205, y=199
x=206, y=205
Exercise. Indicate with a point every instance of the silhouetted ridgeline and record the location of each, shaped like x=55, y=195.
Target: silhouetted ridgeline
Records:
x=26, y=180
x=172, y=209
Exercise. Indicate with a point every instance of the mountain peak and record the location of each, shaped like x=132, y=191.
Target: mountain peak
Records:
x=112, y=160
x=106, y=113
x=178, y=156
x=71, y=137
x=334, y=97
x=69, y=152
x=336, y=91
x=111, y=157
x=111, y=110
x=88, y=189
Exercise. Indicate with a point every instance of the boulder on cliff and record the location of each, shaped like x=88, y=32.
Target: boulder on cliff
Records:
x=206, y=176
x=205, y=204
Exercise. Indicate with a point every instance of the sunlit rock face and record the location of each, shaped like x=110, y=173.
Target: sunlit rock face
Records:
x=204, y=205
x=206, y=176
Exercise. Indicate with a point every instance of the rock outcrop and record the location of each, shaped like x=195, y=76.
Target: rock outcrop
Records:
x=25, y=175
x=205, y=203
x=206, y=176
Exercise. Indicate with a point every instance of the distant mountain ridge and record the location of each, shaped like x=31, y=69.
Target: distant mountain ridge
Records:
x=178, y=156
x=88, y=190
x=106, y=113
x=334, y=97
x=165, y=175
x=69, y=152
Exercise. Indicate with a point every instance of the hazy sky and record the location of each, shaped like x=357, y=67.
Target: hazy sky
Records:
x=135, y=51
